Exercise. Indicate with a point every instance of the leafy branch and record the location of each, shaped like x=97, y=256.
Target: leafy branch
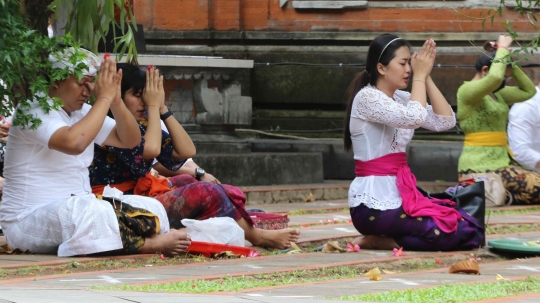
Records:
x=525, y=9
x=89, y=22
x=25, y=70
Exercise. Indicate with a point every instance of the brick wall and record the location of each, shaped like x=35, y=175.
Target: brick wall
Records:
x=186, y=15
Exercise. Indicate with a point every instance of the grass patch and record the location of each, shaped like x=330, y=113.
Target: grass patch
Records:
x=511, y=228
x=246, y=282
x=498, y=212
x=298, y=212
x=76, y=266
x=229, y=284
x=455, y=293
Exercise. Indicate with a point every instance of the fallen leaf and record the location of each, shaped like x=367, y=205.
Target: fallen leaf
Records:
x=465, y=266
x=389, y=272
x=294, y=251
x=374, y=274
x=333, y=247
x=499, y=277
x=162, y=257
x=438, y=261
x=309, y=198
x=295, y=247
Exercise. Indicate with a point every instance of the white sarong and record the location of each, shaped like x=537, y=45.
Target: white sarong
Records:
x=81, y=225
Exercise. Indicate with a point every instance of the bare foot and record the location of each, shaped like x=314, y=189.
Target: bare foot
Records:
x=279, y=239
x=172, y=243
x=375, y=242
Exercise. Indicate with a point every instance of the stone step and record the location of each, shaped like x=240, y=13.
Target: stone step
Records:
x=330, y=190
x=428, y=160
x=263, y=168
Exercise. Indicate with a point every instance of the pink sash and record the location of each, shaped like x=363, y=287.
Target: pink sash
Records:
x=413, y=202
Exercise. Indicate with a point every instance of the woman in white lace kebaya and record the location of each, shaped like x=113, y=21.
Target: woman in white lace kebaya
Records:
x=386, y=208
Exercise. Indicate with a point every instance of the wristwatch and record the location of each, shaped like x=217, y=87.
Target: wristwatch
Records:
x=199, y=172
x=166, y=115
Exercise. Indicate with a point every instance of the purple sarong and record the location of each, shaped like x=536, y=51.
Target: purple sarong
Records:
x=418, y=233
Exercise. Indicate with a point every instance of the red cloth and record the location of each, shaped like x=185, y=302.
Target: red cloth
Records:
x=413, y=202
x=151, y=186
x=148, y=186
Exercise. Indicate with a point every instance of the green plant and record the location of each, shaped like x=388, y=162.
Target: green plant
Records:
x=31, y=270
x=228, y=283
x=90, y=21
x=25, y=70
x=527, y=9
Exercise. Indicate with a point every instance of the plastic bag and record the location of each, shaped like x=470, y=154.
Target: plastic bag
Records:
x=223, y=230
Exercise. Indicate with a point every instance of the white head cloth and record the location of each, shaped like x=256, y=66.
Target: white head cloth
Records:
x=60, y=60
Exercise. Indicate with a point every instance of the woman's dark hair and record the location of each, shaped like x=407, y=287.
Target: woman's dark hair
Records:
x=132, y=78
x=485, y=59
x=382, y=49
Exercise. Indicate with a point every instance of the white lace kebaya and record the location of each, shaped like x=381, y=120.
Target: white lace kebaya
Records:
x=379, y=126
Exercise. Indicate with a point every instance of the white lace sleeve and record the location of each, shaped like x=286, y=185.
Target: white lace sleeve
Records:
x=374, y=106
x=439, y=123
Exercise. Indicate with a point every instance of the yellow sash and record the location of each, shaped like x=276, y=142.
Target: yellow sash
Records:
x=488, y=139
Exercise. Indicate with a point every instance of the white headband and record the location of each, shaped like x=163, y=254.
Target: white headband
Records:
x=386, y=47
x=60, y=60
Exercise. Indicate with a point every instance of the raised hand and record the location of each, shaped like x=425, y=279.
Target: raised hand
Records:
x=422, y=61
x=108, y=81
x=118, y=98
x=154, y=94
x=504, y=41
x=4, y=129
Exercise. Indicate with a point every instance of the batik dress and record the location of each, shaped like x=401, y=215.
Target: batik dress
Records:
x=187, y=197
x=381, y=125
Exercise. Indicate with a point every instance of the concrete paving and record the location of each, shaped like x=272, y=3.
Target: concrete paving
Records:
x=76, y=286
x=332, y=289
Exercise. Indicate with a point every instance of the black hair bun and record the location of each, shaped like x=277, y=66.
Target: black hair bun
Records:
x=490, y=46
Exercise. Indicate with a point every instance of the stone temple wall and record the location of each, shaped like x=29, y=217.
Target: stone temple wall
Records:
x=325, y=46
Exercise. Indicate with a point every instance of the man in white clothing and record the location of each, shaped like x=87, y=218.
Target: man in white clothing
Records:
x=524, y=131
x=48, y=206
